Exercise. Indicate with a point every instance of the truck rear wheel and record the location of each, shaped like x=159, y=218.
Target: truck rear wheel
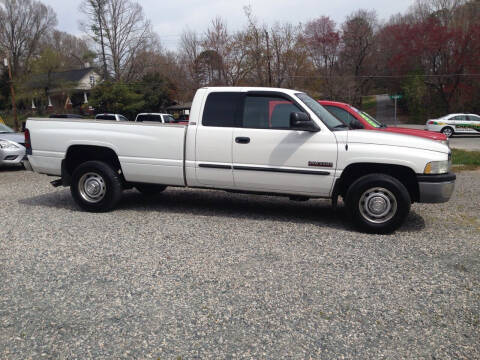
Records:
x=378, y=203
x=96, y=186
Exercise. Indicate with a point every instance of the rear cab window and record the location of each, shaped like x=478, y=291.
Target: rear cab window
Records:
x=222, y=109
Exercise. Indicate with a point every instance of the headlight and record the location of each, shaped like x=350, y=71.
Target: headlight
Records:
x=5, y=144
x=438, y=167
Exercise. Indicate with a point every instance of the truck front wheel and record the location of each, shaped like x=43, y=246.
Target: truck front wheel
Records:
x=378, y=203
x=96, y=187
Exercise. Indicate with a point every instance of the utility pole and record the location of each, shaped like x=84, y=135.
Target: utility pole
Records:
x=12, y=92
x=395, y=111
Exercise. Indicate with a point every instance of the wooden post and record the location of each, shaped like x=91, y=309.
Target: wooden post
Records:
x=12, y=92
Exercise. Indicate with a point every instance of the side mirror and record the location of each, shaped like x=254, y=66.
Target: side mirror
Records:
x=301, y=121
x=355, y=124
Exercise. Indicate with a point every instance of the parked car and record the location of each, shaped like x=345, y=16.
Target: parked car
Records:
x=452, y=124
x=113, y=117
x=12, y=146
x=155, y=117
x=65, y=116
x=348, y=114
x=238, y=141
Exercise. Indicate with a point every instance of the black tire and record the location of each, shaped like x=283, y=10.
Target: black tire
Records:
x=378, y=203
x=447, y=131
x=98, y=175
x=150, y=189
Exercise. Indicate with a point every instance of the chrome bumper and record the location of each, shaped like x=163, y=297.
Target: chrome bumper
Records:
x=436, y=189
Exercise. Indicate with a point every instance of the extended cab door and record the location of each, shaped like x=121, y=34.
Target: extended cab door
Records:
x=270, y=156
x=213, y=163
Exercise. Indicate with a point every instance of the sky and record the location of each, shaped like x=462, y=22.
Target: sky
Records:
x=169, y=18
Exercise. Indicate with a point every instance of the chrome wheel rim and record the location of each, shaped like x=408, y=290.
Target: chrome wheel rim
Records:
x=447, y=132
x=92, y=187
x=378, y=205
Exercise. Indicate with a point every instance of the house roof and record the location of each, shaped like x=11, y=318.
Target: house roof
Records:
x=70, y=76
x=184, y=106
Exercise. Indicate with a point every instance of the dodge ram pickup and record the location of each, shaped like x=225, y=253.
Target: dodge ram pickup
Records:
x=251, y=140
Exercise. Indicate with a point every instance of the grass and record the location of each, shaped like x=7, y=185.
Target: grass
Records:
x=466, y=158
x=369, y=103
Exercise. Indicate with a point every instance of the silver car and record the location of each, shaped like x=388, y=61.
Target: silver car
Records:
x=12, y=146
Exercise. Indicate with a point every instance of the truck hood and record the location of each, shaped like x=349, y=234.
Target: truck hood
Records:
x=395, y=139
x=416, y=132
x=19, y=138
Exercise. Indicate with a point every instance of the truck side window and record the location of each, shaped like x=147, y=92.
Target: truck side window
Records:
x=267, y=112
x=221, y=109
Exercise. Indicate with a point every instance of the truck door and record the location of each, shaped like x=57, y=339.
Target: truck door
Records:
x=268, y=155
x=213, y=163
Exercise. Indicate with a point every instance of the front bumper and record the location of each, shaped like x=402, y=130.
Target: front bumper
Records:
x=12, y=156
x=436, y=188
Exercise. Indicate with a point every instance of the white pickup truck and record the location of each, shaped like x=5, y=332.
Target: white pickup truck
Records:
x=253, y=140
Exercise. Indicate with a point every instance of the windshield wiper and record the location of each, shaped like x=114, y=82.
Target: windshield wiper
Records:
x=341, y=126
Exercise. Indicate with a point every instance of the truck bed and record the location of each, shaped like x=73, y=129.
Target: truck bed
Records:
x=148, y=152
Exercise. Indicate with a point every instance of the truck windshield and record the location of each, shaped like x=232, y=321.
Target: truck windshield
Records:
x=328, y=119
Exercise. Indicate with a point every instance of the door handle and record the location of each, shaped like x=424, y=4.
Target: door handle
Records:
x=242, y=140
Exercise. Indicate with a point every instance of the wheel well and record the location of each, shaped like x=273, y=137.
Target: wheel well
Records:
x=78, y=154
x=402, y=173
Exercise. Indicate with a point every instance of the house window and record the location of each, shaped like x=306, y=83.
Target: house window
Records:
x=92, y=81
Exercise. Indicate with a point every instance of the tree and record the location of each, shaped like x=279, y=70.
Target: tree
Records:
x=23, y=25
x=120, y=28
x=157, y=92
x=358, y=38
x=75, y=53
x=94, y=27
x=117, y=97
x=322, y=39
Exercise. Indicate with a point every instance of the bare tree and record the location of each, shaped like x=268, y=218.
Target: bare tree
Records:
x=358, y=39
x=231, y=59
x=121, y=30
x=74, y=52
x=94, y=26
x=190, y=49
x=23, y=25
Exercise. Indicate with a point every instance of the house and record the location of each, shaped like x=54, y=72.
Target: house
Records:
x=180, y=111
x=65, y=89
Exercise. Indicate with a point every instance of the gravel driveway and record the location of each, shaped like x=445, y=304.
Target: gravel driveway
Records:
x=205, y=274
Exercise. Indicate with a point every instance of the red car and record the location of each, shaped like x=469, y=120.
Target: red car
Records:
x=347, y=113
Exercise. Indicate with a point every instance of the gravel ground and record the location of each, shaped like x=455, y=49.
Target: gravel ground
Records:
x=205, y=274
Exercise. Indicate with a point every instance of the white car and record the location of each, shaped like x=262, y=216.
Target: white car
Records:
x=112, y=117
x=12, y=150
x=455, y=124
x=254, y=140
x=156, y=117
